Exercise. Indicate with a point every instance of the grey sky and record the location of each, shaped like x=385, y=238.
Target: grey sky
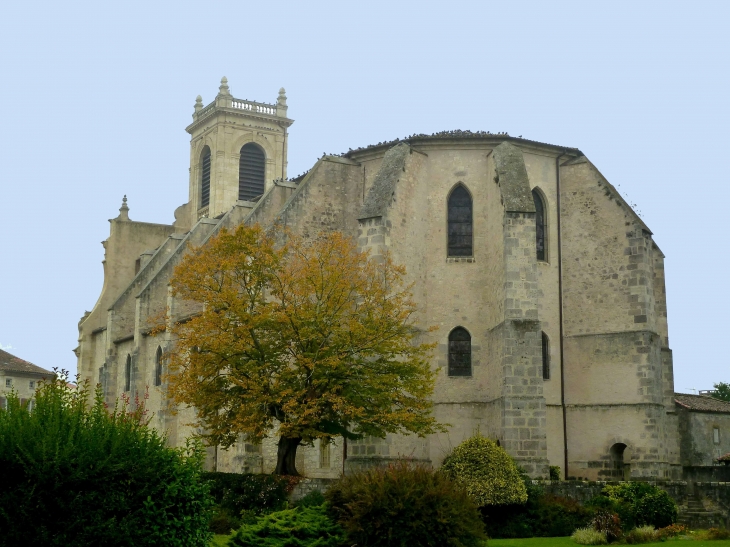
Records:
x=96, y=96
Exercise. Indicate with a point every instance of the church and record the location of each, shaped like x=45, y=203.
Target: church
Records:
x=547, y=289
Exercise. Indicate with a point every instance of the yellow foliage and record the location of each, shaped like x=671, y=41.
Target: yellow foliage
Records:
x=310, y=334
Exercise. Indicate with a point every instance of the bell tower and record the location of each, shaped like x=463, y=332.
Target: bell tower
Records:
x=237, y=149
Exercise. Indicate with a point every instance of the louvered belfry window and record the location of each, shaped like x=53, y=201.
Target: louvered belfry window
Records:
x=205, y=180
x=459, y=352
x=251, y=172
x=460, y=223
x=540, y=226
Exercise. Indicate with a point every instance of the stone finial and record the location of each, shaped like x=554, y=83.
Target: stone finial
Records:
x=198, y=104
x=123, y=210
x=223, y=89
x=281, y=103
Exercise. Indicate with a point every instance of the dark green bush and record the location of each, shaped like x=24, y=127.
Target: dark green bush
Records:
x=313, y=498
x=486, y=472
x=554, y=472
x=235, y=493
x=73, y=473
x=648, y=504
x=404, y=505
x=299, y=527
x=543, y=515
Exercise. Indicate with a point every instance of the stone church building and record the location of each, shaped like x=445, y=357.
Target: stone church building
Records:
x=547, y=288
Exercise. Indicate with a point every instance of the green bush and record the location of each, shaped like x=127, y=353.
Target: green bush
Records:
x=589, y=536
x=642, y=534
x=543, y=515
x=554, y=472
x=235, y=493
x=298, y=527
x=649, y=505
x=74, y=473
x=403, y=505
x=315, y=497
x=486, y=472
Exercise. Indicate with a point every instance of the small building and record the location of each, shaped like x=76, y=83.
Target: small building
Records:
x=704, y=433
x=20, y=376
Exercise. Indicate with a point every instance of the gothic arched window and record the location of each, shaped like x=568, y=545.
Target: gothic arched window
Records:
x=128, y=374
x=540, y=225
x=251, y=172
x=459, y=352
x=545, y=357
x=158, y=366
x=460, y=223
x=205, y=178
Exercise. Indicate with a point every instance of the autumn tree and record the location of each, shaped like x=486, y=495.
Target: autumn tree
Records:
x=310, y=336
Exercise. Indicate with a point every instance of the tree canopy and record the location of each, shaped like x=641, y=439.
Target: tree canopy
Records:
x=307, y=335
x=722, y=391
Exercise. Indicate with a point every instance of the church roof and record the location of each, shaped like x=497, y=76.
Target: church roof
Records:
x=701, y=403
x=11, y=363
x=458, y=134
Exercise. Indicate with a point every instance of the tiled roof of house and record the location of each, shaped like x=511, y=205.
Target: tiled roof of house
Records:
x=701, y=403
x=11, y=363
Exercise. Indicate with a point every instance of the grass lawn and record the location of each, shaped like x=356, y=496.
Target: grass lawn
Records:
x=567, y=542
x=220, y=541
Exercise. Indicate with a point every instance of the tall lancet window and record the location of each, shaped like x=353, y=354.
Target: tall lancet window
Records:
x=460, y=241
x=158, y=366
x=205, y=178
x=251, y=172
x=540, y=226
x=128, y=374
x=545, y=357
x=459, y=352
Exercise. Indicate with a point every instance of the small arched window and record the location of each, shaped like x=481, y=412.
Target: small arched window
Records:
x=128, y=374
x=545, y=357
x=158, y=366
x=459, y=352
x=205, y=178
x=251, y=172
x=540, y=225
x=460, y=223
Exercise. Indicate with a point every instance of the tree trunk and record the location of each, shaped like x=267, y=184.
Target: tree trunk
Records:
x=286, y=456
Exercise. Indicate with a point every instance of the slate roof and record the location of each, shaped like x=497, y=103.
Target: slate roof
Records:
x=11, y=363
x=701, y=403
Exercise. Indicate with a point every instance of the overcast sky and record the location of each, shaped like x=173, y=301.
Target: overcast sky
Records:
x=96, y=96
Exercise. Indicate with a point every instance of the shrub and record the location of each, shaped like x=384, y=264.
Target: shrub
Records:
x=589, y=536
x=643, y=534
x=313, y=498
x=486, y=472
x=673, y=530
x=554, y=472
x=224, y=522
x=298, y=527
x=403, y=505
x=253, y=493
x=718, y=533
x=609, y=524
x=648, y=504
x=73, y=473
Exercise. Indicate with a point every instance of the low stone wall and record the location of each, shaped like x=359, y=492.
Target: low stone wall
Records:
x=701, y=504
x=305, y=486
x=713, y=497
